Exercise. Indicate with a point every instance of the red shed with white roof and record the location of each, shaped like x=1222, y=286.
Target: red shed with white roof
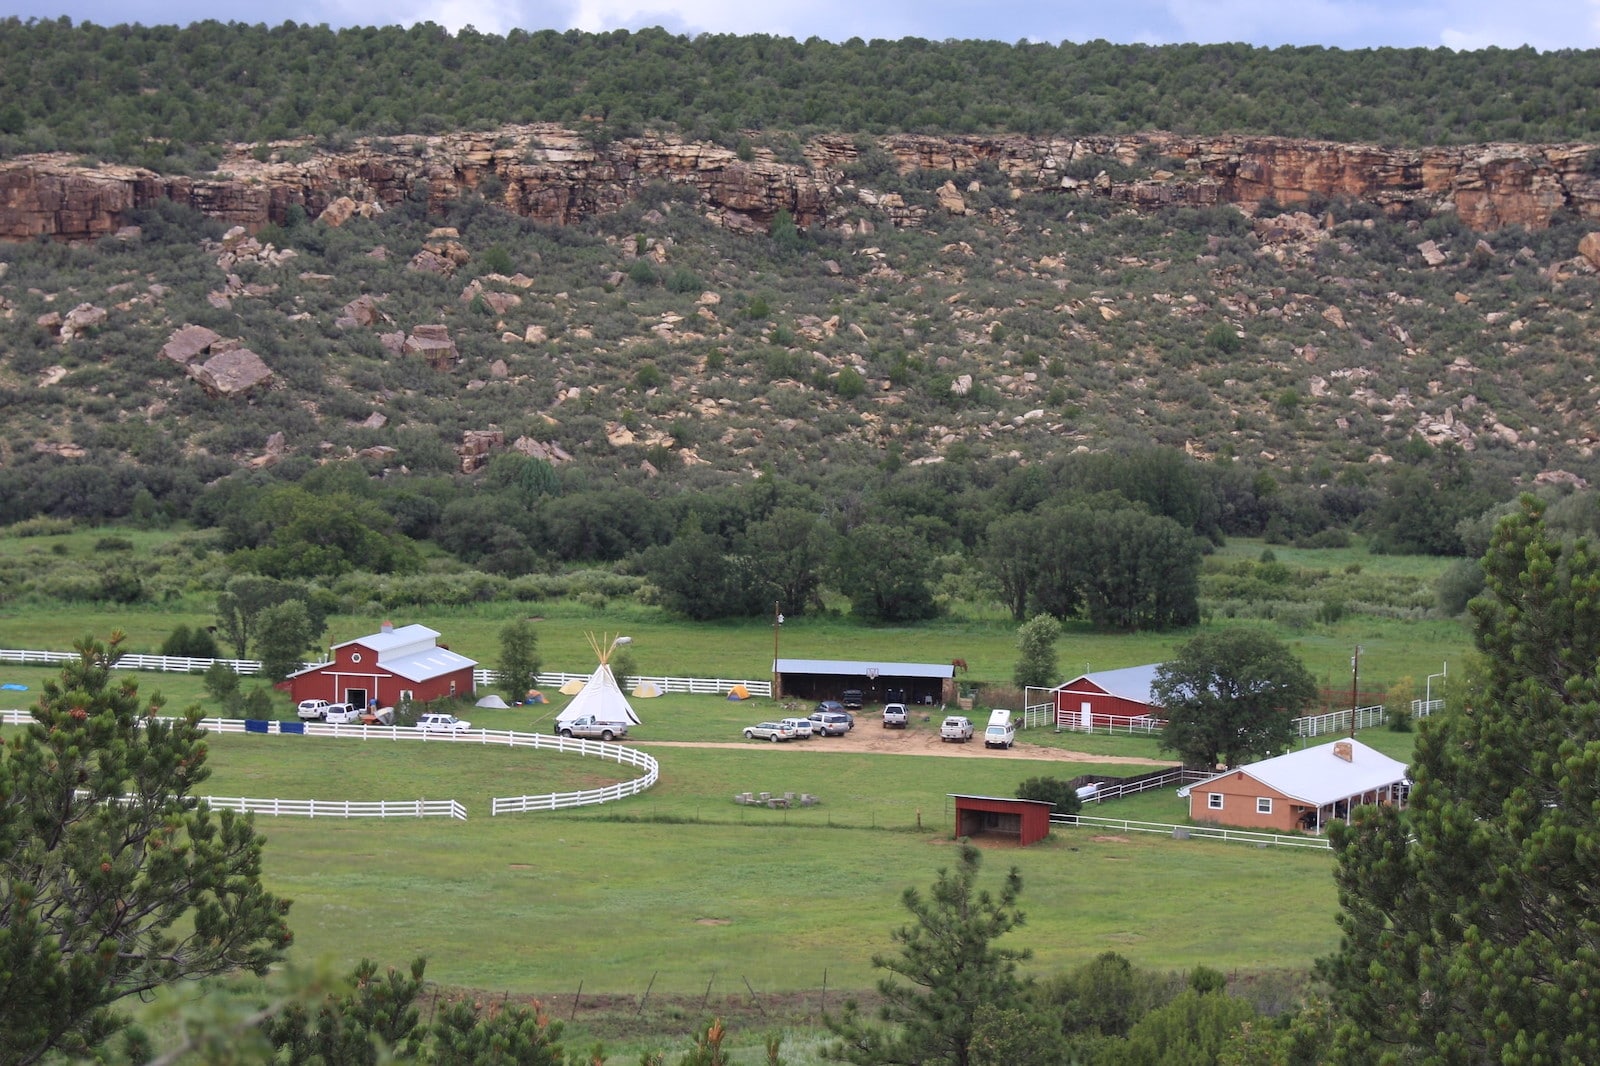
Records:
x=389, y=666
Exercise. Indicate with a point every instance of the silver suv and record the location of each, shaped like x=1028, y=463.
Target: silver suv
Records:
x=831, y=723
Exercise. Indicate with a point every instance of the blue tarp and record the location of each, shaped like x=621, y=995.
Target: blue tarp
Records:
x=255, y=725
x=9, y=687
x=291, y=727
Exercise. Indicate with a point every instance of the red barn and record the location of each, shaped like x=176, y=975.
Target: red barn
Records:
x=387, y=667
x=1026, y=821
x=1109, y=698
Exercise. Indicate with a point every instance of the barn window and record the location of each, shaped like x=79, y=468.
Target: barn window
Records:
x=405, y=694
x=1214, y=801
x=1263, y=804
x=355, y=656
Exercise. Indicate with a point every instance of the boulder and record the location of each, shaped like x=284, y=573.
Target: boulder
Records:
x=80, y=320
x=232, y=373
x=362, y=311
x=187, y=342
x=1589, y=248
x=433, y=343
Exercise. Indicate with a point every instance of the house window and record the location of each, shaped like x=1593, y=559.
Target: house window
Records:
x=1263, y=804
x=406, y=696
x=1214, y=801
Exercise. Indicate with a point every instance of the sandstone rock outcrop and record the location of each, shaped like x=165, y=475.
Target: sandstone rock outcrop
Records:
x=555, y=175
x=188, y=342
x=433, y=343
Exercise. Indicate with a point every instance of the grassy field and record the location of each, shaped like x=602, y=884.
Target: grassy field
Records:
x=980, y=634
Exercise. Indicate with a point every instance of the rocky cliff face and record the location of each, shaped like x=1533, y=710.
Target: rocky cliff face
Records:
x=555, y=175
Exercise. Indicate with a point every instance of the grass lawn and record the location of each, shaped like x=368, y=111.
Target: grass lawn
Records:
x=682, y=883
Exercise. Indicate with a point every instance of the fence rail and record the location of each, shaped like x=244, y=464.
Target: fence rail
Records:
x=1144, y=783
x=1195, y=832
x=341, y=808
x=180, y=664
x=552, y=801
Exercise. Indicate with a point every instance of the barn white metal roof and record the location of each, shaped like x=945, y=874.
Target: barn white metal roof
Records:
x=862, y=668
x=1129, y=683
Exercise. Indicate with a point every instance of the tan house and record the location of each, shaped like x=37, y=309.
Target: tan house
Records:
x=1303, y=790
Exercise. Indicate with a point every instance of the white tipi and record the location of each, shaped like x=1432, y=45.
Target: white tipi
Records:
x=600, y=698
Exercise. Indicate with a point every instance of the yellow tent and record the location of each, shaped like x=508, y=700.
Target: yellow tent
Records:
x=573, y=687
x=738, y=692
x=645, y=690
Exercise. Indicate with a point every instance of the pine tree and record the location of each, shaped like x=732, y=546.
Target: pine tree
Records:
x=949, y=968
x=1472, y=920
x=114, y=879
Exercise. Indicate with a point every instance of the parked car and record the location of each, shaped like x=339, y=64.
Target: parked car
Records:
x=313, y=710
x=831, y=707
x=800, y=726
x=895, y=716
x=957, y=728
x=341, y=714
x=773, y=731
x=831, y=723
x=852, y=699
x=442, y=723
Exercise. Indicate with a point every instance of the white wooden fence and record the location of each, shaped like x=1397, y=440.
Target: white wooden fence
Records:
x=341, y=808
x=1311, y=725
x=179, y=664
x=428, y=808
x=1196, y=832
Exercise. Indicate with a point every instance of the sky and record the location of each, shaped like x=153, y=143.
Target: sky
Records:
x=1456, y=24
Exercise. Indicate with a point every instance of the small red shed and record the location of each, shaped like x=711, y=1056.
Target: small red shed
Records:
x=1108, y=698
x=389, y=666
x=1026, y=821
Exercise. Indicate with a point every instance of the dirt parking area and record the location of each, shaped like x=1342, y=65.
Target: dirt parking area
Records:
x=870, y=738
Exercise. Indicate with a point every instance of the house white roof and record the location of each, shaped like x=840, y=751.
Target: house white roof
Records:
x=1318, y=777
x=1129, y=683
x=862, y=668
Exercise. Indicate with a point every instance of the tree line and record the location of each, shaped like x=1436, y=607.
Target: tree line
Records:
x=161, y=94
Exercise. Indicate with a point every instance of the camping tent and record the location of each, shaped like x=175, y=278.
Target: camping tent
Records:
x=535, y=696
x=601, y=698
x=646, y=690
x=493, y=702
x=738, y=692
x=572, y=688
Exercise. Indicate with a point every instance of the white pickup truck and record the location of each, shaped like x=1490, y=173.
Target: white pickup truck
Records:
x=592, y=728
x=956, y=728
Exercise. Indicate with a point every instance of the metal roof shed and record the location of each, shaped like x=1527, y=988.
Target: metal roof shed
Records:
x=878, y=680
x=1026, y=821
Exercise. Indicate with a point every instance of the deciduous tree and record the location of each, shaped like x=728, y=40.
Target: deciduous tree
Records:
x=518, y=669
x=1231, y=695
x=114, y=879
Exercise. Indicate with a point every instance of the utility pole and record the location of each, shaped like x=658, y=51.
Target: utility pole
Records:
x=777, y=621
x=1355, y=673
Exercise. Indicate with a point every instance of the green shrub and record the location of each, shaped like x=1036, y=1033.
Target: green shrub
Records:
x=1051, y=790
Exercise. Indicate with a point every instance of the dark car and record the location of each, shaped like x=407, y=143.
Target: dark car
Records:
x=852, y=699
x=830, y=707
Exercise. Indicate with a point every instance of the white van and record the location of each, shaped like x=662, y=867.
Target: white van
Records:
x=1001, y=731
